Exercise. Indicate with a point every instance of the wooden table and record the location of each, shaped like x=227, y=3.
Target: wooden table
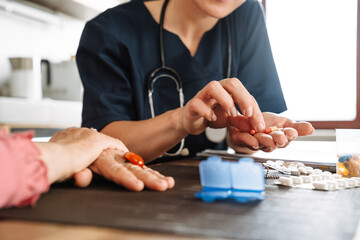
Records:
x=284, y=214
x=43, y=230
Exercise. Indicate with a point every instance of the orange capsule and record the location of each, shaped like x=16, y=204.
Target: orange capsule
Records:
x=270, y=129
x=253, y=132
x=134, y=158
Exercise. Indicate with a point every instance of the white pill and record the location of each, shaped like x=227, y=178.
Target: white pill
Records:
x=326, y=177
x=286, y=181
x=289, y=164
x=270, y=163
x=317, y=171
x=350, y=183
x=332, y=185
x=300, y=165
x=357, y=181
x=342, y=183
x=326, y=173
x=316, y=177
x=310, y=171
x=336, y=176
x=302, y=170
x=296, y=180
x=309, y=168
x=306, y=179
x=320, y=185
x=279, y=162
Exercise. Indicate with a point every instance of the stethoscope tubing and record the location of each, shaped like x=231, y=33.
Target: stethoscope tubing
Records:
x=160, y=72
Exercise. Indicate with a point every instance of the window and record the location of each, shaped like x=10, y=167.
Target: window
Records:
x=315, y=45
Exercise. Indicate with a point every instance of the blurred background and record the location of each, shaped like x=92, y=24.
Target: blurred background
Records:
x=40, y=86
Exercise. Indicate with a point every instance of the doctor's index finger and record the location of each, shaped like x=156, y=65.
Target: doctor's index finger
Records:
x=215, y=91
x=245, y=101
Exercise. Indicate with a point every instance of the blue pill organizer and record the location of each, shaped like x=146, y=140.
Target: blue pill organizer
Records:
x=242, y=181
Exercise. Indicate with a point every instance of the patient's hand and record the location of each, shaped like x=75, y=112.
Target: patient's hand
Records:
x=72, y=150
x=114, y=167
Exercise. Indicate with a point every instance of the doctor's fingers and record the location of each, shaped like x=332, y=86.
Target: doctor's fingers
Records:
x=290, y=133
x=199, y=108
x=266, y=142
x=215, y=91
x=243, y=139
x=245, y=101
x=279, y=138
x=151, y=179
x=302, y=128
x=262, y=141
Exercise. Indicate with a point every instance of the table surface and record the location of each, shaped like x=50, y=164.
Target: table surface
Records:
x=286, y=213
x=46, y=230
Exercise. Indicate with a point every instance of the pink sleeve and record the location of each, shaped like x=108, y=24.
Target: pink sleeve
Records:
x=23, y=176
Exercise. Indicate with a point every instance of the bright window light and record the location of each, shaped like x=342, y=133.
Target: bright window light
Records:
x=314, y=47
x=101, y=5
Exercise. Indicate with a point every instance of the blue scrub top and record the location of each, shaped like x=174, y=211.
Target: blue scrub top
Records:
x=120, y=48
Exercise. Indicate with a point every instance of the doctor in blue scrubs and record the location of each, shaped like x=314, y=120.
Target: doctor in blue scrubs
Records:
x=216, y=52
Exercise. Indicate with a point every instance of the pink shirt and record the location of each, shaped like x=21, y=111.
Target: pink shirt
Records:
x=23, y=176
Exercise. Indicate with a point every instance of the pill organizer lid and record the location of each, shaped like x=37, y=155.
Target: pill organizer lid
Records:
x=247, y=175
x=215, y=173
x=242, y=181
x=241, y=175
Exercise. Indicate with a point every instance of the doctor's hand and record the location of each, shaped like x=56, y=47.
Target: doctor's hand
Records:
x=112, y=165
x=215, y=103
x=240, y=139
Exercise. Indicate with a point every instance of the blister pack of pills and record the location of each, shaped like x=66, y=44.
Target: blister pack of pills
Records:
x=301, y=176
x=291, y=168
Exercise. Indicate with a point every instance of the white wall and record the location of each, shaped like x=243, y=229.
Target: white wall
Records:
x=25, y=37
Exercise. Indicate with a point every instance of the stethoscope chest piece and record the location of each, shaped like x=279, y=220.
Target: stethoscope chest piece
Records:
x=215, y=135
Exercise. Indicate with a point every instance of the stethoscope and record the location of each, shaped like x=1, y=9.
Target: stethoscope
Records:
x=167, y=72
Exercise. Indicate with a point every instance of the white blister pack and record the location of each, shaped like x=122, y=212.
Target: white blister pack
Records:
x=301, y=176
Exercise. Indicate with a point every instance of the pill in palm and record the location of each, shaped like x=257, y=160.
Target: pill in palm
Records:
x=270, y=129
x=134, y=158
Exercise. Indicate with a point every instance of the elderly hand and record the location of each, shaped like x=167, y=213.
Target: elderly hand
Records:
x=112, y=165
x=70, y=152
x=73, y=150
x=240, y=139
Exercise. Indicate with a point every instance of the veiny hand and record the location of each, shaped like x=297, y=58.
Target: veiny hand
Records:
x=114, y=167
x=240, y=140
x=73, y=150
x=212, y=106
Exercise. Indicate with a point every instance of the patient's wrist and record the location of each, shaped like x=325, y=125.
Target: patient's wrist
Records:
x=57, y=160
